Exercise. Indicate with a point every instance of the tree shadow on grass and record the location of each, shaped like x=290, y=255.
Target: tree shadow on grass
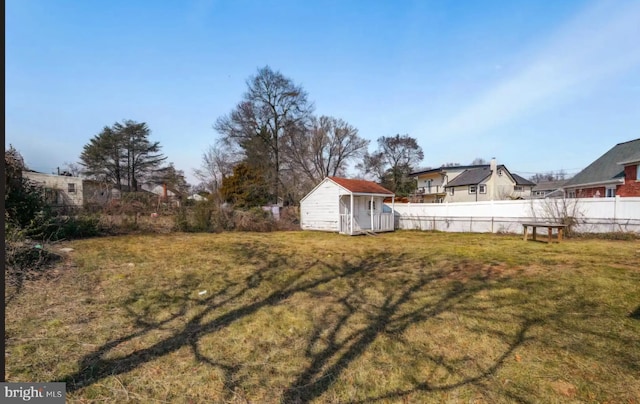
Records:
x=96, y=366
x=398, y=312
x=409, y=295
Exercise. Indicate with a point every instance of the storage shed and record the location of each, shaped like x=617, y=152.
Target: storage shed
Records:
x=347, y=206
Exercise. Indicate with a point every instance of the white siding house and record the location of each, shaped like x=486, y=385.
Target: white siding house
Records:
x=346, y=206
x=60, y=190
x=486, y=182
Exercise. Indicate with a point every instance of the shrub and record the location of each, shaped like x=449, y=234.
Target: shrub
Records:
x=254, y=219
x=181, y=221
x=202, y=214
x=24, y=259
x=289, y=218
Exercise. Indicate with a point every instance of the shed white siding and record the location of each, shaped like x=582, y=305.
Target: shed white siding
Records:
x=319, y=210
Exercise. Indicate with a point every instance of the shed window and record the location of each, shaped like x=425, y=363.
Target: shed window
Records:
x=71, y=188
x=472, y=189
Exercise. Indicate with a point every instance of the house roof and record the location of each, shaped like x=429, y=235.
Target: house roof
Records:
x=521, y=181
x=607, y=168
x=445, y=169
x=471, y=177
x=631, y=160
x=360, y=186
x=548, y=185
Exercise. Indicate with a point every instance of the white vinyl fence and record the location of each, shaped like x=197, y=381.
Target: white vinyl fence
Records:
x=593, y=215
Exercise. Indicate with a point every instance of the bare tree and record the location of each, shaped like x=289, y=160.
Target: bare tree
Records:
x=373, y=167
x=479, y=161
x=393, y=161
x=72, y=168
x=217, y=164
x=272, y=106
x=325, y=148
x=559, y=175
x=567, y=211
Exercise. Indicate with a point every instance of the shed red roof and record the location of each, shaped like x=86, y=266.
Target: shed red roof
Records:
x=361, y=186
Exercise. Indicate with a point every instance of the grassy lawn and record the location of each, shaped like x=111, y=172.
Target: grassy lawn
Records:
x=314, y=317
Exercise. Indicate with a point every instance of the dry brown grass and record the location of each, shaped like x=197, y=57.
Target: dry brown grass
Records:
x=314, y=317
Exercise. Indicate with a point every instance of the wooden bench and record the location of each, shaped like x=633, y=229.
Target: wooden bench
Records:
x=550, y=226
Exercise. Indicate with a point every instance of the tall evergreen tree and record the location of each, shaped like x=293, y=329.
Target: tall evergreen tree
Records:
x=122, y=154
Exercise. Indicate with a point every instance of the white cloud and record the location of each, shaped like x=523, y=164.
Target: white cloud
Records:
x=599, y=43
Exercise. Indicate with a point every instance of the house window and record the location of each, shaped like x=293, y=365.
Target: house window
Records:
x=451, y=191
x=71, y=188
x=372, y=205
x=482, y=188
x=572, y=194
x=472, y=189
x=638, y=172
x=499, y=173
x=611, y=192
x=518, y=188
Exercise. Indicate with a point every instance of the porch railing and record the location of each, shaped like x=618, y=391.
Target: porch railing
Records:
x=381, y=222
x=432, y=190
x=345, y=224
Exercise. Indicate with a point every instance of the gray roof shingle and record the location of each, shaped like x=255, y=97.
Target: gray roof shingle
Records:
x=471, y=177
x=607, y=168
x=522, y=181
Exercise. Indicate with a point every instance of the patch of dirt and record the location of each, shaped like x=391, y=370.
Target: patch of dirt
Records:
x=564, y=388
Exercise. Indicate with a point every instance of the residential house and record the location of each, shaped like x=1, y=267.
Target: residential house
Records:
x=471, y=183
x=613, y=173
x=431, y=182
x=347, y=206
x=548, y=189
x=631, y=186
x=165, y=194
x=59, y=190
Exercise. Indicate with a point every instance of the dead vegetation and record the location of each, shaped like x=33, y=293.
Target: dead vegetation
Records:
x=315, y=317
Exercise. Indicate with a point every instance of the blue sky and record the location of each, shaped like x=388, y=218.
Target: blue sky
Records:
x=541, y=86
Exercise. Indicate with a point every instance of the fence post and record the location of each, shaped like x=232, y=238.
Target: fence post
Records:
x=616, y=200
x=493, y=214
